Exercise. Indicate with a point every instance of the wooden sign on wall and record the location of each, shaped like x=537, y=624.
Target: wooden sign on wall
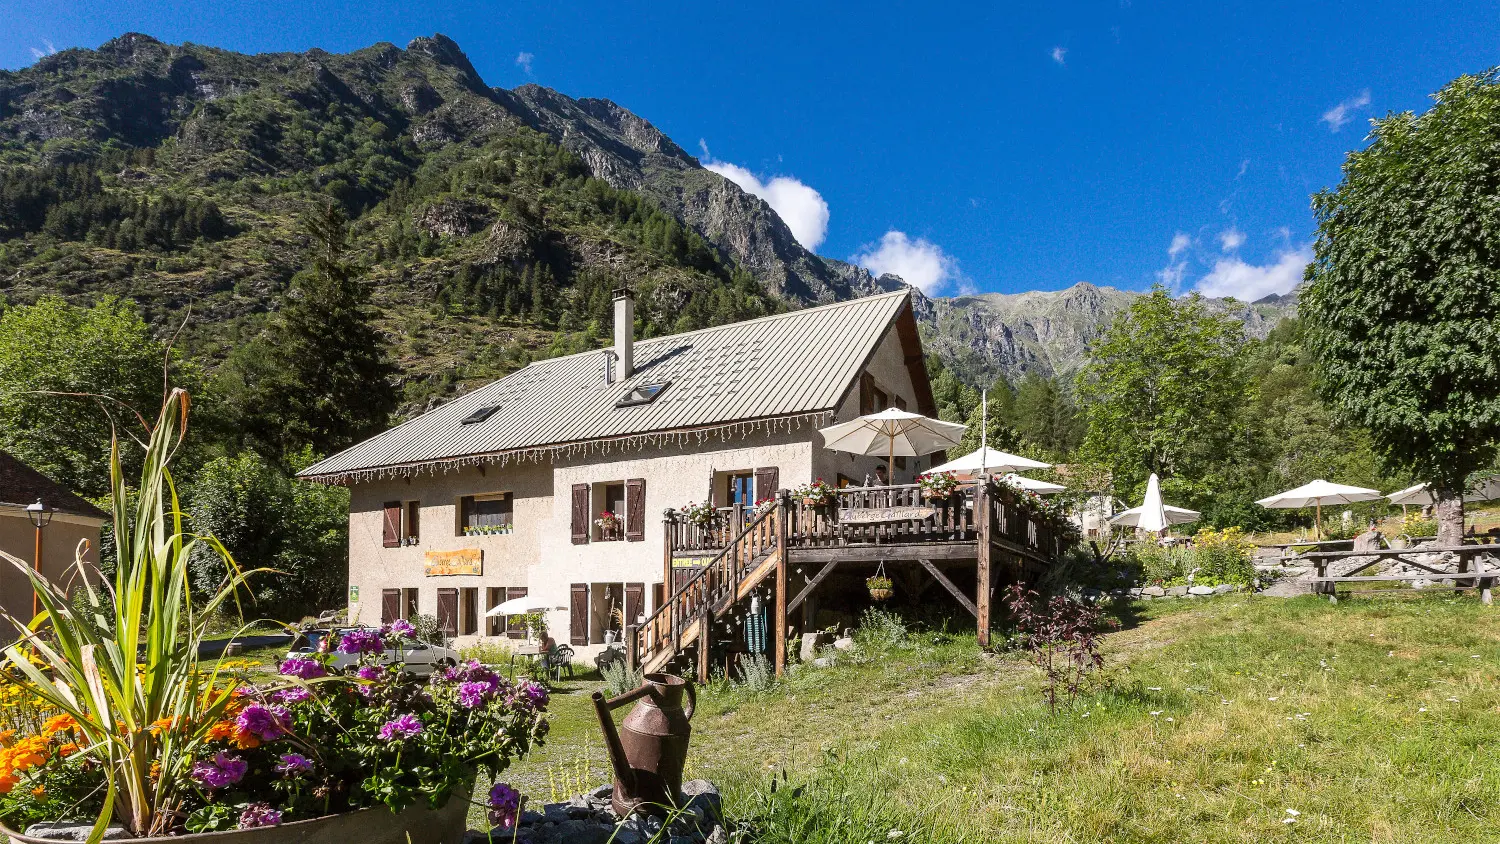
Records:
x=462, y=561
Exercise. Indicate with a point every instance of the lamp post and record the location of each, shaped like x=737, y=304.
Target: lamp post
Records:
x=40, y=517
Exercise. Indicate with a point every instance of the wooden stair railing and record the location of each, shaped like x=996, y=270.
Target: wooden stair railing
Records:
x=739, y=567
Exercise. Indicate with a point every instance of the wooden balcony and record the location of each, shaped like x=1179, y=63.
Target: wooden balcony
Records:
x=713, y=567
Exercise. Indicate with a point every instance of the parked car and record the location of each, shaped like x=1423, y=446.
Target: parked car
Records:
x=416, y=657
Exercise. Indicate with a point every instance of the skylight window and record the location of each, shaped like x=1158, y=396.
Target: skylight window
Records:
x=643, y=394
x=480, y=415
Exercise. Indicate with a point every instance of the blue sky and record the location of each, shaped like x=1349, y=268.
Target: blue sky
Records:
x=972, y=147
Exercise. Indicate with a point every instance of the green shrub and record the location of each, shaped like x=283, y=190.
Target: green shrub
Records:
x=880, y=630
x=757, y=673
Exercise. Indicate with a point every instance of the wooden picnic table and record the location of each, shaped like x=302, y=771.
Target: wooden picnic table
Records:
x=1471, y=564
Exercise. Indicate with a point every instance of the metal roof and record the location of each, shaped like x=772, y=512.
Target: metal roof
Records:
x=787, y=365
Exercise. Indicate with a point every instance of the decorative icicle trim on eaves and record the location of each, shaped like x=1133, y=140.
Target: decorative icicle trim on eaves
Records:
x=606, y=445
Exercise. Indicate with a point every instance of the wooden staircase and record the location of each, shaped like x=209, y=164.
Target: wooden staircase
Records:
x=755, y=553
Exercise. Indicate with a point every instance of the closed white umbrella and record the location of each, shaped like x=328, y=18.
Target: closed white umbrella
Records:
x=893, y=433
x=988, y=459
x=1154, y=515
x=1316, y=494
x=1030, y=484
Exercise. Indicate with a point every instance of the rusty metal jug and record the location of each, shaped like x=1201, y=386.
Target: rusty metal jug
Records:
x=650, y=746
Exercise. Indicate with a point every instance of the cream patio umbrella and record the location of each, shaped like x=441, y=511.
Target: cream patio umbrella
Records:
x=1316, y=494
x=985, y=459
x=1153, y=516
x=893, y=433
x=1030, y=484
x=1421, y=494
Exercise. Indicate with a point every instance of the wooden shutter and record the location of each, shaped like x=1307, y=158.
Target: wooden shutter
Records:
x=515, y=625
x=578, y=615
x=447, y=611
x=767, y=479
x=635, y=509
x=634, y=594
x=390, y=535
x=390, y=605
x=580, y=514
x=866, y=394
x=471, y=611
x=898, y=402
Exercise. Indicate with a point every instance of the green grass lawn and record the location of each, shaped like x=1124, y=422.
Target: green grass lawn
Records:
x=1215, y=720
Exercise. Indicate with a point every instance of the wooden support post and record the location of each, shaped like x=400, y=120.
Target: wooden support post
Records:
x=778, y=650
x=669, y=546
x=812, y=584
x=705, y=647
x=956, y=592
x=632, y=646
x=984, y=573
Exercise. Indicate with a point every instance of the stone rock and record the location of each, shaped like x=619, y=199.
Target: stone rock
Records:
x=844, y=644
x=579, y=832
x=718, y=836
x=1177, y=591
x=1201, y=590
x=814, y=642
x=822, y=662
x=1223, y=589
x=1153, y=591
x=603, y=792
x=66, y=831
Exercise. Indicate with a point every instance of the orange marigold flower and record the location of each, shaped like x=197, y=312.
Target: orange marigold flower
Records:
x=223, y=730
x=246, y=740
x=162, y=724
x=155, y=773
x=39, y=791
x=58, y=723
x=7, y=782
x=67, y=749
x=5, y=737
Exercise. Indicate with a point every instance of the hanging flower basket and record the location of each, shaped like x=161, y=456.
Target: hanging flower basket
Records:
x=880, y=588
x=703, y=515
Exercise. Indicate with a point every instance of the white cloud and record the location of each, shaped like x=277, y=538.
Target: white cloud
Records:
x=1171, y=275
x=1060, y=55
x=1231, y=239
x=1180, y=241
x=920, y=263
x=1337, y=116
x=1244, y=165
x=798, y=205
x=524, y=60
x=1248, y=282
x=43, y=52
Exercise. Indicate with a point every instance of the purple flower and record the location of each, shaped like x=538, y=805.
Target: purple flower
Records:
x=296, y=694
x=303, y=667
x=361, y=641
x=404, y=727
x=292, y=764
x=505, y=805
x=259, y=814
x=469, y=672
x=534, y=694
x=268, y=723
x=373, y=673
x=401, y=627
x=225, y=769
x=474, y=694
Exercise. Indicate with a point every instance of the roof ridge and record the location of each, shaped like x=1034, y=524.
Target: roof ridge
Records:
x=728, y=325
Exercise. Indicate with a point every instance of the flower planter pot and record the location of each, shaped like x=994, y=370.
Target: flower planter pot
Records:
x=881, y=594
x=417, y=825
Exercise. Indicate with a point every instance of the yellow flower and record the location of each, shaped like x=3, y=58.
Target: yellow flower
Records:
x=39, y=791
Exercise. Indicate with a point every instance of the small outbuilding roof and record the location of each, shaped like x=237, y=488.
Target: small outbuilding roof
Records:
x=773, y=372
x=21, y=485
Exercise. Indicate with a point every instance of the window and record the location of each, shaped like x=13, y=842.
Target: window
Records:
x=409, y=604
x=486, y=515
x=612, y=501
x=413, y=522
x=643, y=394
x=742, y=489
x=468, y=614
x=479, y=415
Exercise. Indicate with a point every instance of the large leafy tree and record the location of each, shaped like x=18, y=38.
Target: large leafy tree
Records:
x=1403, y=300
x=1162, y=392
x=319, y=377
x=1045, y=416
x=51, y=349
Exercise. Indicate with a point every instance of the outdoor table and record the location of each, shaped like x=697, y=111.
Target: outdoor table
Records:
x=528, y=653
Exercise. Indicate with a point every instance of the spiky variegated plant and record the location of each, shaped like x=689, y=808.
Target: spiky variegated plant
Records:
x=129, y=675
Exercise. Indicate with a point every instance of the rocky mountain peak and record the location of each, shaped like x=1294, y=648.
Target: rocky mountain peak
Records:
x=445, y=51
